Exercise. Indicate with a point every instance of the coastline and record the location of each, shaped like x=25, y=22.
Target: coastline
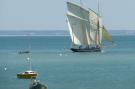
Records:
x=56, y=33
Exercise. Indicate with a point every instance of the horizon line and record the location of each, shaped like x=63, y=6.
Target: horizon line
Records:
x=53, y=29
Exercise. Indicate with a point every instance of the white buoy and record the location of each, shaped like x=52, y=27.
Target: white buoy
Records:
x=102, y=51
x=60, y=54
x=5, y=68
x=28, y=58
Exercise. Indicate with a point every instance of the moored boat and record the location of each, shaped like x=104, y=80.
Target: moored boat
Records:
x=23, y=52
x=27, y=75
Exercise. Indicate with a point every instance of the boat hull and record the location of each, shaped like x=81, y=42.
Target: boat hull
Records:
x=26, y=76
x=23, y=52
x=86, y=50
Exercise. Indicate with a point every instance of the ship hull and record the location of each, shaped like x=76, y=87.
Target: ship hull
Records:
x=86, y=50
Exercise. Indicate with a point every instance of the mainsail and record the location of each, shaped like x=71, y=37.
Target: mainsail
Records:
x=78, y=23
x=77, y=30
x=85, y=26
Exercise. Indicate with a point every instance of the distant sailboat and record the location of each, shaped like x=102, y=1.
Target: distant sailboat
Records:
x=24, y=52
x=29, y=47
x=86, y=29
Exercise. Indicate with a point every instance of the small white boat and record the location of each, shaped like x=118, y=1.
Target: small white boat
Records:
x=27, y=75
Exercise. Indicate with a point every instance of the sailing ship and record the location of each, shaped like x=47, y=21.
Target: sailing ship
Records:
x=86, y=28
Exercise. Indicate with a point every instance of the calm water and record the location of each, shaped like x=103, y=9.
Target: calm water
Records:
x=59, y=68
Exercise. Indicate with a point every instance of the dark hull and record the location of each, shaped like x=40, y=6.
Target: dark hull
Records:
x=86, y=50
x=24, y=52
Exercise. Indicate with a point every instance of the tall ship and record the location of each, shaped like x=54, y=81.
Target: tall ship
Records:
x=86, y=29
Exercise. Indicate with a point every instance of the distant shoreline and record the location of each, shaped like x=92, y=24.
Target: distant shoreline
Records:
x=31, y=35
x=50, y=35
x=56, y=32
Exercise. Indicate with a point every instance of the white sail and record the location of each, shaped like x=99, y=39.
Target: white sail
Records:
x=93, y=19
x=78, y=23
x=85, y=25
x=100, y=30
x=93, y=37
x=77, y=27
x=78, y=10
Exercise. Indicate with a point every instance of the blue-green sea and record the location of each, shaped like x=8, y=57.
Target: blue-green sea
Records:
x=59, y=68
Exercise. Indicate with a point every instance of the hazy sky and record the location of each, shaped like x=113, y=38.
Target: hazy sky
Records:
x=51, y=14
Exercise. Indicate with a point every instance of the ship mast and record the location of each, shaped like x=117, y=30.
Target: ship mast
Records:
x=29, y=60
x=81, y=2
x=29, y=54
x=98, y=32
x=98, y=8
